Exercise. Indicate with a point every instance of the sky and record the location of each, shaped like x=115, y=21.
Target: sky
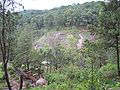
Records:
x=49, y=4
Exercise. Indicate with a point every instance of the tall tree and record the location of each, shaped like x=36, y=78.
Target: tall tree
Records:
x=109, y=25
x=6, y=33
x=23, y=47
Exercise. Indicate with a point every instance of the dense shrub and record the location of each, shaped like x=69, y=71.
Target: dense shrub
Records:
x=55, y=78
x=75, y=73
x=108, y=71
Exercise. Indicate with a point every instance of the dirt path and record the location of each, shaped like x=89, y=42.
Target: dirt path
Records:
x=80, y=42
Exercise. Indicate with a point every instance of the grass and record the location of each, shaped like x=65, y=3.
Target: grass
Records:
x=1, y=75
x=1, y=72
x=36, y=88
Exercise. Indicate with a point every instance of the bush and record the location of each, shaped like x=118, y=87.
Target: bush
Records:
x=117, y=86
x=76, y=74
x=108, y=71
x=55, y=77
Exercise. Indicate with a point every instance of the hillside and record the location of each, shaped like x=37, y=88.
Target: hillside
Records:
x=74, y=47
x=77, y=15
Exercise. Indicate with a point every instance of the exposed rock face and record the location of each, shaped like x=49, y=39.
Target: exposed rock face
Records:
x=41, y=82
x=15, y=85
x=53, y=39
x=56, y=38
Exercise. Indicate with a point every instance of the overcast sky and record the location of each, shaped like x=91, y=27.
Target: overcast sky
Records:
x=49, y=4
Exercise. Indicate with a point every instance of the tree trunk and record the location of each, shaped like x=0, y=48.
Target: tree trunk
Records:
x=27, y=64
x=117, y=52
x=100, y=62
x=5, y=56
x=56, y=66
x=6, y=76
x=21, y=82
x=92, y=73
x=92, y=79
x=39, y=69
x=60, y=65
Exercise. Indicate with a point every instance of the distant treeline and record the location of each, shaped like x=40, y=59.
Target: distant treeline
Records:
x=65, y=16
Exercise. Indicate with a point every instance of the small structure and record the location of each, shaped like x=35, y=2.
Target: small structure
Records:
x=45, y=62
x=46, y=65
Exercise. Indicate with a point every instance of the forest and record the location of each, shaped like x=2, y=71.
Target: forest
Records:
x=72, y=47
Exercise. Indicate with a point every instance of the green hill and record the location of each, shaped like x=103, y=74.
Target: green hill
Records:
x=75, y=15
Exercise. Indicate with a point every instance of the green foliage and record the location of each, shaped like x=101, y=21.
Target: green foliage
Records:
x=107, y=28
x=52, y=35
x=117, y=86
x=68, y=79
x=22, y=47
x=75, y=15
x=74, y=73
x=55, y=78
x=1, y=71
x=108, y=71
